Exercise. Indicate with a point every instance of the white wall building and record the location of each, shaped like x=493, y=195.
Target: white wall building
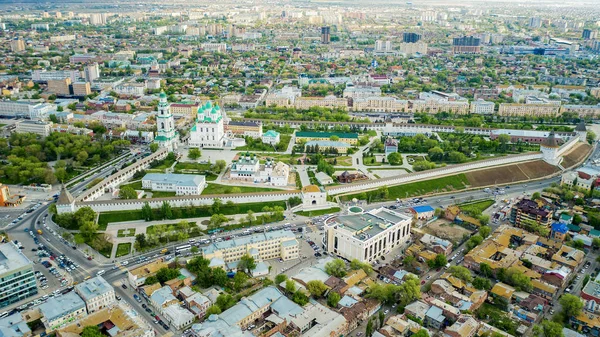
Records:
x=165, y=125
x=271, y=137
x=96, y=293
x=181, y=184
x=367, y=236
x=37, y=127
x=178, y=316
x=482, y=107
x=208, y=130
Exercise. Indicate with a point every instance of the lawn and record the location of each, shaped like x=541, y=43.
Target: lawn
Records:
x=173, y=231
x=477, y=207
x=164, y=164
x=123, y=233
x=161, y=194
x=106, y=251
x=341, y=161
x=444, y=184
x=318, y=212
x=123, y=249
x=258, y=145
x=2, y=125
x=213, y=188
x=136, y=185
x=192, y=166
x=371, y=161
x=185, y=213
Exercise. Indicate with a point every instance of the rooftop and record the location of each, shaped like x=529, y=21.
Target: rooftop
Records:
x=314, y=134
x=11, y=259
x=367, y=225
x=61, y=305
x=93, y=287
x=174, y=178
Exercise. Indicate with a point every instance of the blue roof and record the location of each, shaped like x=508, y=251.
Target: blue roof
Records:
x=559, y=227
x=60, y=306
x=423, y=209
x=436, y=314
x=347, y=301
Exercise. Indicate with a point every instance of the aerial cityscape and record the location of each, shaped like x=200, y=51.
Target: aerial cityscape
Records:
x=310, y=168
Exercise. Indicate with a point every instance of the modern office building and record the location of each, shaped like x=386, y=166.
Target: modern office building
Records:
x=466, y=45
x=39, y=128
x=17, y=280
x=325, y=35
x=411, y=37
x=96, y=293
x=91, y=72
x=280, y=244
x=181, y=184
x=366, y=236
x=589, y=34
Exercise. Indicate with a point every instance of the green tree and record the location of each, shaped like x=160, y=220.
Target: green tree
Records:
x=91, y=331
x=485, y=231
x=316, y=288
x=369, y=330
x=336, y=268
x=421, y=333
x=482, y=283
x=153, y=147
x=300, y=298
x=571, y=305
x=247, y=264
x=239, y=281
x=355, y=264
x=280, y=278
x=381, y=319
x=440, y=260
x=127, y=192
x=150, y=280
x=461, y=273
x=194, y=153
x=213, y=310
x=486, y=270
x=225, y=301
x=166, y=274
x=333, y=299
x=536, y=195
x=548, y=329
x=88, y=230
x=141, y=242
x=394, y=158
x=166, y=210
x=147, y=212
x=290, y=286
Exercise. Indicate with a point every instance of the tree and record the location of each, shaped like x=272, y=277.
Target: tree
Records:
x=194, y=153
x=247, y=264
x=485, y=231
x=88, y=230
x=548, y=329
x=421, y=333
x=147, y=212
x=485, y=270
x=239, y=281
x=294, y=201
x=141, y=242
x=381, y=318
x=194, y=250
x=369, y=329
x=355, y=264
x=153, y=147
x=474, y=241
x=300, y=298
x=440, y=260
x=280, y=278
x=482, y=283
x=225, y=301
x=333, y=299
x=461, y=273
x=166, y=274
x=216, y=220
x=536, y=195
x=91, y=331
x=336, y=268
x=213, y=310
x=316, y=288
x=166, y=210
x=127, y=192
x=596, y=243
x=571, y=305
x=290, y=286
x=394, y=158
x=150, y=280
x=219, y=166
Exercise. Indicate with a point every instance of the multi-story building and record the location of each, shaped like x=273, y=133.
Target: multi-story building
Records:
x=383, y=47
x=482, y=107
x=410, y=48
x=40, y=26
x=17, y=45
x=466, y=45
x=306, y=136
x=184, y=109
x=181, y=184
x=530, y=110
x=82, y=58
x=271, y=137
x=163, y=298
x=60, y=87
x=166, y=136
x=17, y=280
x=81, y=88
x=39, y=128
x=325, y=35
x=380, y=104
x=138, y=276
x=91, y=72
x=305, y=103
x=61, y=310
x=527, y=212
x=411, y=37
x=96, y=293
x=44, y=75
x=367, y=236
x=582, y=111
x=62, y=38
x=325, y=146
x=361, y=92
x=214, y=47
x=589, y=34
x=98, y=19
x=208, y=129
x=284, y=97
x=280, y=244
x=135, y=89
x=250, y=129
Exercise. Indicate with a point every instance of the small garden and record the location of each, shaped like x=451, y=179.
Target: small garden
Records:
x=124, y=233
x=123, y=249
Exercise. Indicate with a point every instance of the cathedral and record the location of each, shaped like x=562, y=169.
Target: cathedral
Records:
x=208, y=129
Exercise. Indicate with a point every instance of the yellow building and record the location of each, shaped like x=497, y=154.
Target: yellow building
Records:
x=81, y=88
x=568, y=257
x=138, y=276
x=529, y=110
x=503, y=290
x=592, y=111
x=180, y=109
x=305, y=103
x=306, y=136
x=380, y=104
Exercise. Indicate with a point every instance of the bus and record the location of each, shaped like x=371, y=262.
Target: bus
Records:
x=182, y=248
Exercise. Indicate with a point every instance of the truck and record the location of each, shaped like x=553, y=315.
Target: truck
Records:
x=39, y=231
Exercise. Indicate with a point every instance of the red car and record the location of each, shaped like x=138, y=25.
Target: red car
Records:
x=423, y=282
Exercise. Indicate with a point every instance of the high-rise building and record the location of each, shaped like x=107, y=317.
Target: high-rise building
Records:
x=17, y=45
x=165, y=125
x=325, y=35
x=98, y=19
x=535, y=22
x=466, y=45
x=58, y=15
x=411, y=37
x=81, y=88
x=91, y=72
x=589, y=34
x=60, y=87
x=383, y=46
x=17, y=280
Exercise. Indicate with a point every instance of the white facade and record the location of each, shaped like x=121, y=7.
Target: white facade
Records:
x=368, y=236
x=271, y=137
x=181, y=184
x=208, y=130
x=37, y=127
x=245, y=167
x=137, y=89
x=166, y=133
x=96, y=293
x=482, y=107
x=214, y=47
x=43, y=75
x=274, y=174
x=178, y=316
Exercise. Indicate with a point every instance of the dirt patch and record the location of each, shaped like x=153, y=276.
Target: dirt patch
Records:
x=538, y=169
x=576, y=155
x=444, y=229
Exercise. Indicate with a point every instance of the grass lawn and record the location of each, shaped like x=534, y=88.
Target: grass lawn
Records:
x=2, y=125
x=284, y=141
x=186, y=212
x=164, y=164
x=371, y=162
x=192, y=166
x=123, y=249
x=224, y=189
x=136, y=185
x=106, y=251
x=173, y=232
x=318, y=212
x=161, y=194
x=450, y=183
x=341, y=161
x=476, y=207
x=123, y=233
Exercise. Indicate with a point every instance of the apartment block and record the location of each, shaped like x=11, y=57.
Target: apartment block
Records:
x=17, y=280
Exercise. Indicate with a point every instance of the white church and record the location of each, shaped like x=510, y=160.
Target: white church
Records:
x=208, y=129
